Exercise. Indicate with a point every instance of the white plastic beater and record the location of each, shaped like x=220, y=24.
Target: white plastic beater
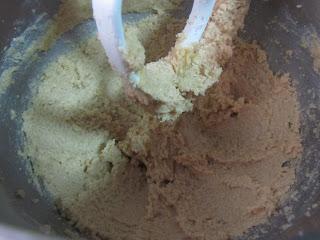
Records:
x=108, y=16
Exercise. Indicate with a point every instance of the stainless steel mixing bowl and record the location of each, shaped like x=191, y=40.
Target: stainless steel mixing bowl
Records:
x=277, y=25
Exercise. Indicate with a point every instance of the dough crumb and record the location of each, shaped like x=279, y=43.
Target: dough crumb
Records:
x=20, y=194
x=35, y=200
x=46, y=229
x=314, y=49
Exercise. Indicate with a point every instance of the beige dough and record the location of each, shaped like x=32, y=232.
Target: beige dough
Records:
x=175, y=80
x=118, y=172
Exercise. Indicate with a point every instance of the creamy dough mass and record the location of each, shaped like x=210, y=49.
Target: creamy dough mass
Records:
x=174, y=80
x=118, y=172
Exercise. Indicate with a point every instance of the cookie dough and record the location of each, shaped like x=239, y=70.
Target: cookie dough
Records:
x=117, y=172
x=175, y=80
